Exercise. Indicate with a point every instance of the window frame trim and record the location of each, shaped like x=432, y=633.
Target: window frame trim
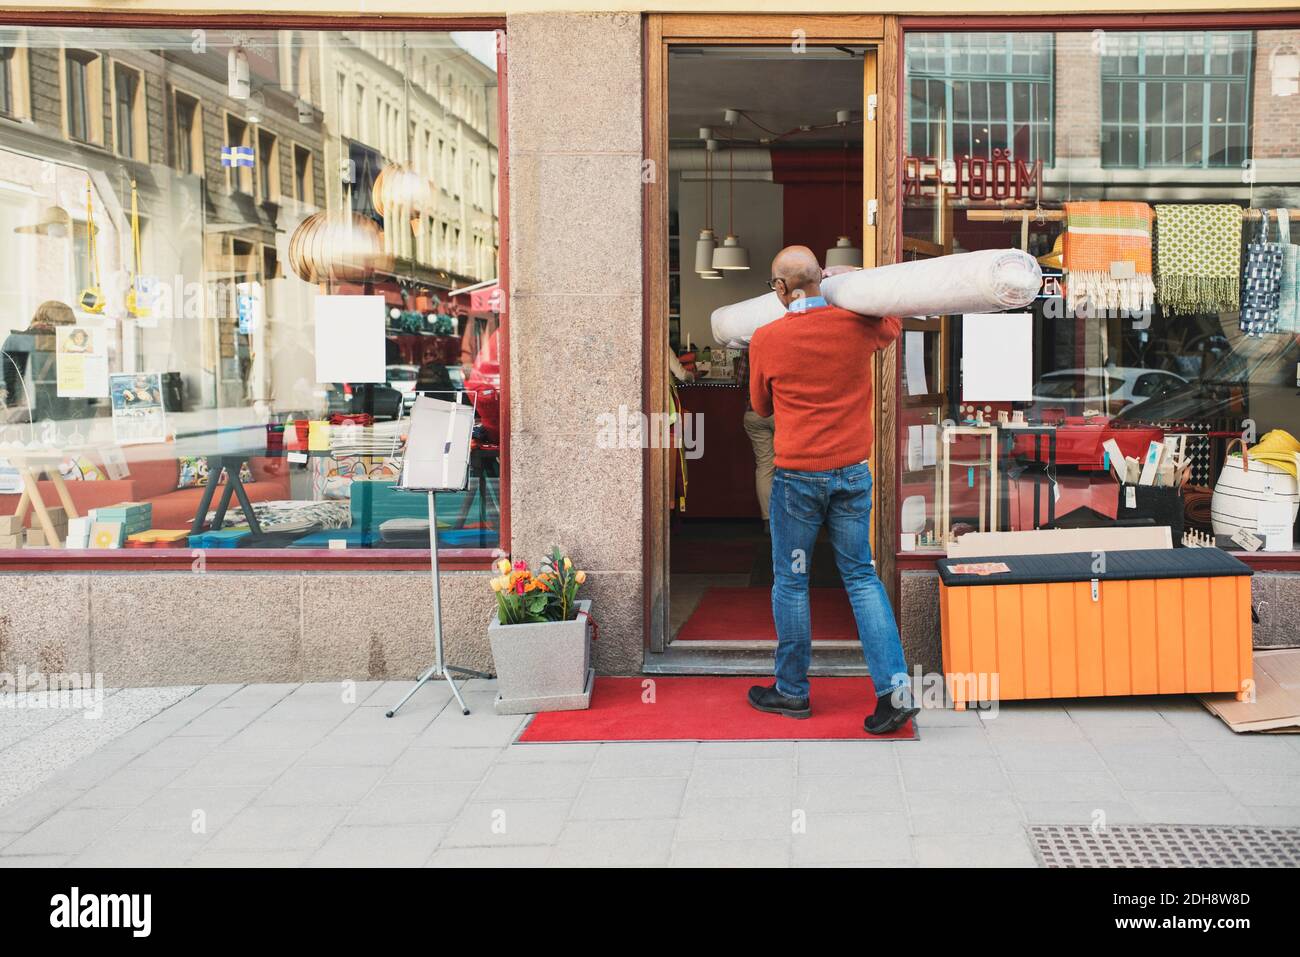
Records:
x=1142, y=79
x=96, y=135
x=197, y=156
x=140, y=136
x=1006, y=81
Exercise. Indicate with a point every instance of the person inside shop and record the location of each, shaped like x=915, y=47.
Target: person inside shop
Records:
x=806, y=371
x=30, y=370
x=760, y=430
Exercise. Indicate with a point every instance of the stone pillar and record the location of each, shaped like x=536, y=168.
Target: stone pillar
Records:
x=575, y=95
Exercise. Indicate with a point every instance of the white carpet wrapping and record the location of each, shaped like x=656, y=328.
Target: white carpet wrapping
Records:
x=990, y=280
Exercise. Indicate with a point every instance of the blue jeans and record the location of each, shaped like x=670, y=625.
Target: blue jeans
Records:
x=802, y=502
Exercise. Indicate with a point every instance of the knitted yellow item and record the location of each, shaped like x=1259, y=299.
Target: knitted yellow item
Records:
x=1277, y=448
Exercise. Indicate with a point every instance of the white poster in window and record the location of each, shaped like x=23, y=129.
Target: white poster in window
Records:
x=997, y=357
x=350, y=339
x=914, y=362
x=1274, y=522
x=81, y=362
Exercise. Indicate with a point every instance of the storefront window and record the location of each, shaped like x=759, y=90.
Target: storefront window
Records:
x=221, y=296
x=1155, y=177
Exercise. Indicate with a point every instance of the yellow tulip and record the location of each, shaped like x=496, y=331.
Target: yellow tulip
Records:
x=580, y=577
x=567, y=564
x=503, y=566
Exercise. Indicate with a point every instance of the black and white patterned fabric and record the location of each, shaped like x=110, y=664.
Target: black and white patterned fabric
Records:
x=1261, y=283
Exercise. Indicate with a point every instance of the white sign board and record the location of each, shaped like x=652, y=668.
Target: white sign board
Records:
x=997, y=357
x=350, y=339
x=437, y=446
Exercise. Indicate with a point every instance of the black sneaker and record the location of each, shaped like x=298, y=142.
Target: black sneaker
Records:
x=772, y=701
x=890, y=715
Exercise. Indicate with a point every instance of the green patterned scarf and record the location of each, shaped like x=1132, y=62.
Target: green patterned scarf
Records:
x=1198, y=258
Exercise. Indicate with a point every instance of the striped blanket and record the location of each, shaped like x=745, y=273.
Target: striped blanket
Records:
x=1107, y=257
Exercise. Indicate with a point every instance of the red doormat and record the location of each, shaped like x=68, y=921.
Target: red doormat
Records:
x=709, y=709
x=745, y=614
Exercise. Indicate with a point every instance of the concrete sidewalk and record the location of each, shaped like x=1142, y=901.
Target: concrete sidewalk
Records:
x=295, y=775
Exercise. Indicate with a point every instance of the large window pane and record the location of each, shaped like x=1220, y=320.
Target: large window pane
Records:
x=219, y=342
x=1182, y=119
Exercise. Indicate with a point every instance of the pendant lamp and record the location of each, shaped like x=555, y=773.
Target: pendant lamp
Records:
x=707, y=241
x=731, y=255
x=844, y=253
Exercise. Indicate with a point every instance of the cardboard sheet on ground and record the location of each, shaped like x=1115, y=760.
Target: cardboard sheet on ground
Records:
x=1276, y=708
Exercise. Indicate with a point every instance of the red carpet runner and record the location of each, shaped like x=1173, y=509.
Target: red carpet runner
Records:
x=708, y=709
x=745, y=614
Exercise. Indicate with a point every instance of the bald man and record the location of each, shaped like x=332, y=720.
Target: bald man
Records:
x=812, y=369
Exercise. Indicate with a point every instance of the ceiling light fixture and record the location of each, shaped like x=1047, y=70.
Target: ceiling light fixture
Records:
x=707, y=241
x=731, y=255
x=844, y=253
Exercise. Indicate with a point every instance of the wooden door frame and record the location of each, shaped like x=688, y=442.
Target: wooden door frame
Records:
x=660, y=31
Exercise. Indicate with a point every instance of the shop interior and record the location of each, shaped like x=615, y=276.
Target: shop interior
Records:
x=765, y=151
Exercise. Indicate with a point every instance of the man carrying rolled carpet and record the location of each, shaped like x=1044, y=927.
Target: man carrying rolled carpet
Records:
x=811, y=368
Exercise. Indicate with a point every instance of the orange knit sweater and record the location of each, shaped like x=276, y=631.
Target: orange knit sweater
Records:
x=813, y=370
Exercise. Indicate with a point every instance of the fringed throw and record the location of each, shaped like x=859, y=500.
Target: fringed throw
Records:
x=1198, y=259
x=1107, y=257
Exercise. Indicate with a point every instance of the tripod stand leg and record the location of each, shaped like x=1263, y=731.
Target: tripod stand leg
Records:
x=424, y=678
x=464, y=708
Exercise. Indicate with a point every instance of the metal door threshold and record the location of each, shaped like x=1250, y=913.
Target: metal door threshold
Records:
x=749, y=658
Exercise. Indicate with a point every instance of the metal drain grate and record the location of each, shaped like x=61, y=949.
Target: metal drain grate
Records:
x=1165, y=845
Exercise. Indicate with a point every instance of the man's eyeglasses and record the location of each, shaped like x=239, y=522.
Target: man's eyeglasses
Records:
x=771, y=283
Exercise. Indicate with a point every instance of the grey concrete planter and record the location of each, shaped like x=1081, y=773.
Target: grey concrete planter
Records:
x=544, y=666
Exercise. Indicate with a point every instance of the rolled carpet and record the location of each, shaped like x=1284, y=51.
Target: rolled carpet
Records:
x=990, y=280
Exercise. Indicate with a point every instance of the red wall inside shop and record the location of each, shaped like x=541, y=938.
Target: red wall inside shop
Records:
x=814, y=201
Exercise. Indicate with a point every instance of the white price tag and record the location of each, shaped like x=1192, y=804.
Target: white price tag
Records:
x=1130, y=496
x=1247, y=540
x=298, y=457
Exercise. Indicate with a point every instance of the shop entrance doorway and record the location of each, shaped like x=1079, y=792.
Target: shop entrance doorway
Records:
x=770, y=137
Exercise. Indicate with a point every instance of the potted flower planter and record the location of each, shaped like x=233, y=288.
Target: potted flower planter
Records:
x=543, y=666
x=541, y=637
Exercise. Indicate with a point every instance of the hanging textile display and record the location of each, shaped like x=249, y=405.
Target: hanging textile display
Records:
x=1261, y=283
x=1288, y=304
x=1107, y=256
x=1198, y=258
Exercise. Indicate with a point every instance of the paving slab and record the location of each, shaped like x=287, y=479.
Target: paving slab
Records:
x=313, y=774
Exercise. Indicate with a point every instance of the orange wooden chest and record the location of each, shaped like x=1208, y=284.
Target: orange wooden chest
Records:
x=1162, y=621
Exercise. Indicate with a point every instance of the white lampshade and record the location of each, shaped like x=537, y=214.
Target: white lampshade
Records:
x=711, y=274
x=731, y=255
x=843, y=253
x=704, y=247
